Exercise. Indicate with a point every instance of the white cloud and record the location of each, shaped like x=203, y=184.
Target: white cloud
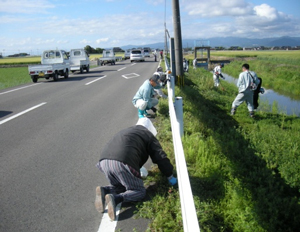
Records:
x=235, y=18
x=98, y=41
x=25, y=6
x=62, y=41
x=211, y=18
x=266, y=11
x=13, y=19
x=85, y=41
x=156, y=2
x=217, y=8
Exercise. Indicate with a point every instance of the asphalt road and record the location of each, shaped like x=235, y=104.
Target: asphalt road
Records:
x=51, y=134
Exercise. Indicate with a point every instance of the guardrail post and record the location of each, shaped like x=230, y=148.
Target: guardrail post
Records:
x=172, y=85
x=179, y=113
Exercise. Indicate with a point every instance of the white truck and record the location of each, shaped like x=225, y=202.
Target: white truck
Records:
x=79, y=60
x=108, y=56
x=53, y=64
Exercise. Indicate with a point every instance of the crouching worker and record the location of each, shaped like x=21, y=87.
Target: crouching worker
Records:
x=121, y=161
x=144, y=98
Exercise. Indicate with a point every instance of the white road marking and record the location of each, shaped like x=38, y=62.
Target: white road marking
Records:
x=98, y=67
x=20, y=88
x=21, y=113
x=95, y=80
x=130, y=75
x=121, y=69
x=106, y=224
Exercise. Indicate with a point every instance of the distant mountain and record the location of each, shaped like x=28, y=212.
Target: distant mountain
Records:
x=228, y=42
x=285, y=41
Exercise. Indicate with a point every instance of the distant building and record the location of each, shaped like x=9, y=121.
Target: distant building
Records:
x=234, y=48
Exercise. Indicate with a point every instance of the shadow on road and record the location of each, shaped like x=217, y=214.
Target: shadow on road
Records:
x=5, y=113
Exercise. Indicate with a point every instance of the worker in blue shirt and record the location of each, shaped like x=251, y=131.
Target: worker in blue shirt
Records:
x=144, y=98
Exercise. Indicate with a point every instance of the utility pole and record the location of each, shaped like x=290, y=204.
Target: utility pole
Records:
x=166, y=53
x=178, y=43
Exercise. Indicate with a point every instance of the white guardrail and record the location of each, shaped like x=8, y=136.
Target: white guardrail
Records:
x=188, y=210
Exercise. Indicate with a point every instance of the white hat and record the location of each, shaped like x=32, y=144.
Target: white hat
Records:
x=146, y=122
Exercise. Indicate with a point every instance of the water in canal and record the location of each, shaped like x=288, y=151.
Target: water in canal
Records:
x=270, y=98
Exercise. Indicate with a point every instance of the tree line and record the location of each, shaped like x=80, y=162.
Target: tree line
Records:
x=91, y=50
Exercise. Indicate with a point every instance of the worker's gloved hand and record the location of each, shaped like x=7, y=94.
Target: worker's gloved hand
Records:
x=172, y=180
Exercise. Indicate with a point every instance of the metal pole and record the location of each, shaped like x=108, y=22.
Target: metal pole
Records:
x=178, y=41
x=172, y=57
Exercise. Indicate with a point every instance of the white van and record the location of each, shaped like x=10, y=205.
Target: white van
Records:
x=136, y=55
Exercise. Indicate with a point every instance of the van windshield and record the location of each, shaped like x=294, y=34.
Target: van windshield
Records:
x=51, y=54
x=77, y=53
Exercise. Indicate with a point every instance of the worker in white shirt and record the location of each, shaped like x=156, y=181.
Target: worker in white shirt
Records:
x=217, y=74
x=247, y=84
x=195, y=63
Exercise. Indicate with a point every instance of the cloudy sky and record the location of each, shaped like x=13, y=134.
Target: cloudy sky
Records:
x=34, y=25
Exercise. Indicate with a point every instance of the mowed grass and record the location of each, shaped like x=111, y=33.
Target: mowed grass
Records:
x=10, y=77
x=20, y=60
x=287, y=55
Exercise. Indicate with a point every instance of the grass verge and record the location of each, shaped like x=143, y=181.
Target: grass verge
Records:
x=244, y=172
x=10, y=77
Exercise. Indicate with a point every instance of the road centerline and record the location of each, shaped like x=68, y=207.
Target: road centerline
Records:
x=21, y=113
x=95, y=80
x=13, y=90
x=121, y=69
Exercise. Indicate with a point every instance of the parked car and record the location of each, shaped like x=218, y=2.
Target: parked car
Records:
x=136, y=55
x=127, y=54
x=79, y=60
x=53, y=64
x=108, y=57
x=147, y=52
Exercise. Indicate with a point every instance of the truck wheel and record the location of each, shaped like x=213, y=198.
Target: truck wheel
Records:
x=55, y=76
x=34, y=79
x=66, y=74
x=81, y=70
x=87, y=69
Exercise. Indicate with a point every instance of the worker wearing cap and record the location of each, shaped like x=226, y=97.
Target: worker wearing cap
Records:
x=144, y=98
x=121, y=160
x=217, y=74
